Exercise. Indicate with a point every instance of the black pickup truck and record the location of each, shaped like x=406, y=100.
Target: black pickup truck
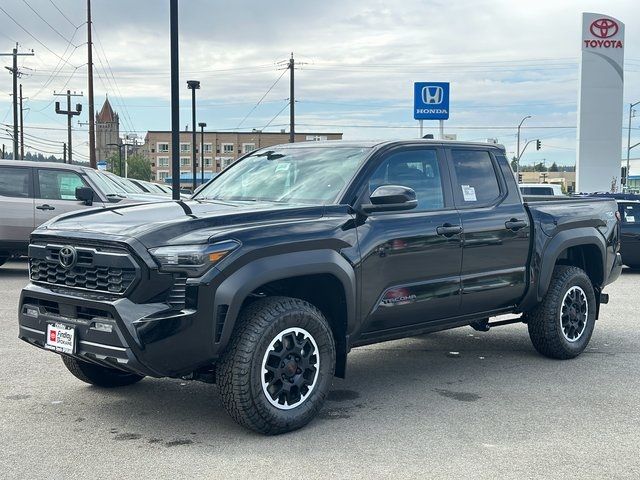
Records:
x=297, y=253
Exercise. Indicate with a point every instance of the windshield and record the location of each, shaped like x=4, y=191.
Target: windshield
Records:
x=105, y=184
x=127, y=185
x=289, y=175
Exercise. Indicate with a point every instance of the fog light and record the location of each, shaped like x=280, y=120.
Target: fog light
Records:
x=102, y=327
x=31, y=311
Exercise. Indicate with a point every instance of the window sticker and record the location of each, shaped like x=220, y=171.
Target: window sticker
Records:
x=468, y=193
x=283, y=167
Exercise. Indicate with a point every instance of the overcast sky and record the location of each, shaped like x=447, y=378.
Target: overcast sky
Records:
x=504, y=60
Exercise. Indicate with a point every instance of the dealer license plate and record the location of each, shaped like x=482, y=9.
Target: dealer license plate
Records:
x=60, y=338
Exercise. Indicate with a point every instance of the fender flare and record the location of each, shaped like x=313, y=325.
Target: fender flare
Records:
x=562, y=241
x=235, y=288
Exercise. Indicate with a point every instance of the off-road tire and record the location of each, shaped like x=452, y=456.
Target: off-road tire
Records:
x=239, y=373
x=98, y=375
x=545, y=328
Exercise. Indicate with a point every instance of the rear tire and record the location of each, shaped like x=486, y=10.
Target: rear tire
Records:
x=278, y=367
x=561, y=326
x=98, y=375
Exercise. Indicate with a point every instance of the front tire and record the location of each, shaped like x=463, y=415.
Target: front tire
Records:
x=278, y=368
x=98, y=375
x=562, y=325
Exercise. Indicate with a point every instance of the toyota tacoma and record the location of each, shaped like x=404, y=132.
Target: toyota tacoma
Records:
x=295, y=254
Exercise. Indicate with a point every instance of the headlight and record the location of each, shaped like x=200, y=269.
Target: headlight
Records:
x=194, y=260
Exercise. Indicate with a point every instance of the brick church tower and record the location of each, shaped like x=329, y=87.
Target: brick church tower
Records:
x=107, y=131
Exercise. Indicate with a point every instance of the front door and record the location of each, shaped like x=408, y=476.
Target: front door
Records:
x=56, y=193
x=411, y=259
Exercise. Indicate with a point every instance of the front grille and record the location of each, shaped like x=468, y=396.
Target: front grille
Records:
x=94, y=270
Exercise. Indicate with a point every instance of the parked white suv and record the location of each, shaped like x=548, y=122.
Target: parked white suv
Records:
x=33, y=192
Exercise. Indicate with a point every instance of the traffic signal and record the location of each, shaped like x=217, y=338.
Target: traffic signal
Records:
x=538, y=144
x=519, y=178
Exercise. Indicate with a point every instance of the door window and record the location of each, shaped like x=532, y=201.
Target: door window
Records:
x=417, y=169
x=630, y=212
x=14, y=182
x=59, y=184
x=477, y=183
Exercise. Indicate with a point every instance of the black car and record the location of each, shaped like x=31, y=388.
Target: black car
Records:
x=295, y=254
x=630, y=229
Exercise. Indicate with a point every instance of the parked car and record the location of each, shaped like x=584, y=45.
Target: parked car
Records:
x=541, y=189
x=298, y=253
x=32, y=193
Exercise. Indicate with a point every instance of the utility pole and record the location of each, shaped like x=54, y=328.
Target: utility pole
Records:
x=175, y=101
x=21, y=127
x=69, y=113
x=15, y=73
x=92, y=133
x=292, y=101
x=64, y=153
x=193, y=85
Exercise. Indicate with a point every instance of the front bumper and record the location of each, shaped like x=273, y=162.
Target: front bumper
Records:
x=151, y=339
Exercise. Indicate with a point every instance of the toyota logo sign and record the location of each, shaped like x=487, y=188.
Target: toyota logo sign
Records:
x=67, y=257
x=603, y=28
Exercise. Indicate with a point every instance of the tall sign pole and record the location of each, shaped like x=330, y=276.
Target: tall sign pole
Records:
x=431, y=102
x=600, y=106
x=292, y=101
x=175, y=101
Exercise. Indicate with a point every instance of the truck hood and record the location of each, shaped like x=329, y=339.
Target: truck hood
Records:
x=176, y=222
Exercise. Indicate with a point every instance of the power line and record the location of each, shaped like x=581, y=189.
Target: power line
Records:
x=62, y=13
x=45, y=21
x=262, y=98
x=276, y=115
x=33, y=36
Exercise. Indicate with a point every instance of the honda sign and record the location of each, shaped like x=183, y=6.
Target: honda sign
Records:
x=431, y=100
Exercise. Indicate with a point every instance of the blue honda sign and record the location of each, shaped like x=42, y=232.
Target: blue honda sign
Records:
x=431, y=100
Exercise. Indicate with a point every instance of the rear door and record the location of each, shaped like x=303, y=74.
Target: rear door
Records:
x=16, y=197
x=496, y=230
x=56, y=193
x=630, y=231
x=411, y=259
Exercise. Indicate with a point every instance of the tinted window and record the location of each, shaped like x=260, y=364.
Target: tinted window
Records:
x=477, y=181
x=630, y=212
x=58, y=184
x=416, y=169
x=14, y=182
x=536, y=190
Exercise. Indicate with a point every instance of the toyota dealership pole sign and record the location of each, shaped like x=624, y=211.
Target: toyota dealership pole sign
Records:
x=599, y=146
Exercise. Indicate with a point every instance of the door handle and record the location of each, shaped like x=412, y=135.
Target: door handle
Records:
x=514, y=224
x=45, y=207
x=448, y=230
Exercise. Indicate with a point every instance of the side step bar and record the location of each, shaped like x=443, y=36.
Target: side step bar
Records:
x=483, y=325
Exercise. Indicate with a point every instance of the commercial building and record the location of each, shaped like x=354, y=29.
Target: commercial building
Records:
x=220, y=149
x=567, y=180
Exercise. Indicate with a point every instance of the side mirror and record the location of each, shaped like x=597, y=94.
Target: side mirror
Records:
x=85, y=194
x=391, y=198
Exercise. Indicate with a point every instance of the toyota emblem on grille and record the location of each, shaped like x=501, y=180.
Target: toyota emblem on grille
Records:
x=67, y=257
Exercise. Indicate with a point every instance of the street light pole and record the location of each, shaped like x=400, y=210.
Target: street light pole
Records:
x=202, y=125
x=626, y=175
x=193, y=85
x=518, y=148
x=119, y=154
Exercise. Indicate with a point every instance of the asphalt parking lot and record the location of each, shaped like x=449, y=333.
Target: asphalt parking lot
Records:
x=456, y=404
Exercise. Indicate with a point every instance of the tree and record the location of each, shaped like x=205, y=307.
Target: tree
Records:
x=539, y=167
x=554, y=167
x=514, y=163
x=113, y=164
x=139, y=167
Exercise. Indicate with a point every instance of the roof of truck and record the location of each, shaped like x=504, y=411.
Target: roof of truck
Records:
x=379, y=143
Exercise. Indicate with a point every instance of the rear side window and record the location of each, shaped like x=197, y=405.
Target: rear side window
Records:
x=630, y=212
x=476, y=178
x=59, y=184
x=14, y=182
